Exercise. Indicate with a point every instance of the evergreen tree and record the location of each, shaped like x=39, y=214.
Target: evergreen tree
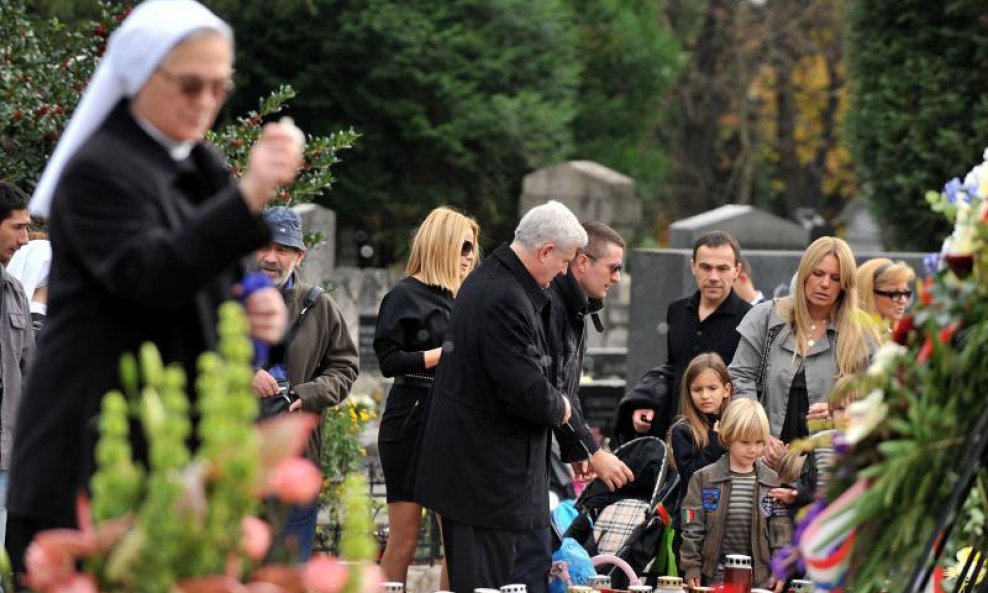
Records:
x=919, y=109
x=631, y=61
x=455, y=100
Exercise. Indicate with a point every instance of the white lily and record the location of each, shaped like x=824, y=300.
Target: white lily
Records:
x=864, y=416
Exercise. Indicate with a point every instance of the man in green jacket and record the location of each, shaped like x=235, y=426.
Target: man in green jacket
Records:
x=320, y=359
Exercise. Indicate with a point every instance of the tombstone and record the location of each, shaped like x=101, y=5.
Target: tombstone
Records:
x=754, y=228
x=861, y=231
x=589, y=189
x=320, y=260
x=663, y=275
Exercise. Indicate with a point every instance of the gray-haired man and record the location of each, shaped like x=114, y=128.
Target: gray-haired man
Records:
x=320, y=362
x=485, y=441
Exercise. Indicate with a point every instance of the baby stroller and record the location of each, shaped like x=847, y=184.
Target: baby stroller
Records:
x=631, y=523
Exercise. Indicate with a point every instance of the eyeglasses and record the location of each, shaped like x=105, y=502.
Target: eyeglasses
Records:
x=895, y=294
x=615, y=268
x=192, y=86
x=467, y=248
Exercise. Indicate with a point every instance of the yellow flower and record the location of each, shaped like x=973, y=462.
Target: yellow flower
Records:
x=954, y=572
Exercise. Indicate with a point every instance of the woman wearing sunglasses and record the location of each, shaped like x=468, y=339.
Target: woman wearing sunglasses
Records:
x=409, y=341
x=884, y=291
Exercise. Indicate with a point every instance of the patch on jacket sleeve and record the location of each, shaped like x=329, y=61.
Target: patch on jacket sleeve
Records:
x=772, y=508
x=711, y=499
x=688, y=516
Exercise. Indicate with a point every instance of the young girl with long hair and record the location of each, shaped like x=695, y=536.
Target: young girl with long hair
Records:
x=694, y=437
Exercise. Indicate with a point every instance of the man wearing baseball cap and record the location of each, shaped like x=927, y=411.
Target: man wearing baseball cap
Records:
x=320, y=361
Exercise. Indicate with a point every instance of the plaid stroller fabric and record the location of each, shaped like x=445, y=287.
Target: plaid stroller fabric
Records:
x=616, y=522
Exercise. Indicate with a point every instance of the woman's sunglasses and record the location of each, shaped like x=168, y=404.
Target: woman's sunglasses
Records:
x=467, y=248
x=895, y=294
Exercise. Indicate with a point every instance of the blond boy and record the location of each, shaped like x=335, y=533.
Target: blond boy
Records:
x=728, y=508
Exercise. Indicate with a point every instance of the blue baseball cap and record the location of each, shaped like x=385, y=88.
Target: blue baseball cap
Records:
x=286, y=226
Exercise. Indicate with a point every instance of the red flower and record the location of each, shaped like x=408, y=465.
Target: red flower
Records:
x=944, y=336
x=902, y=329
x=925, y=291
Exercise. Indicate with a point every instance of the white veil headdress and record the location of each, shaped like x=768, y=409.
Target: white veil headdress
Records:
x=133, y=52
x=31, y=265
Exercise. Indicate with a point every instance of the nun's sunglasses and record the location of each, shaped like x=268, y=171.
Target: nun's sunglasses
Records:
x=192, y=86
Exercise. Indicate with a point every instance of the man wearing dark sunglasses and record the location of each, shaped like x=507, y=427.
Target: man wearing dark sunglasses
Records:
x=147, y=231
x=575, y=296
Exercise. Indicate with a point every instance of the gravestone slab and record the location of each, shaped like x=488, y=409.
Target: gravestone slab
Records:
x=591, y=190
x=320, y=260
x=754, y=228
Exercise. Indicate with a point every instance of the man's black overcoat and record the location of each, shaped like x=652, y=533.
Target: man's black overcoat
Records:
x=143, y=249
x=483, y=448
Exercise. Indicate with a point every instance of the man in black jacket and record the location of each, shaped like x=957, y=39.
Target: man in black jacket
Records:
x=703, y=322
x=147, y=229
x=484, y=442
x=578, y=295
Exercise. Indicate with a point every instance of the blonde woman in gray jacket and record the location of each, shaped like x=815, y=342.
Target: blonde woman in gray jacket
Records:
x=793, y=349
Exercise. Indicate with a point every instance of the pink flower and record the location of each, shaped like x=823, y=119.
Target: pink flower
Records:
x=77, y=583
x=50, y=559
x=256, y=537
x=258, y=587
x=372, y=577
x=284, y=437
x=289, y=578
x=294, y=480
x=47, y=566
x=210, y=584
x=324, y=574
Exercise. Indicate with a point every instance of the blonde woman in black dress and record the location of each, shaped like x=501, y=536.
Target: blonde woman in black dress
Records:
x=411, y=328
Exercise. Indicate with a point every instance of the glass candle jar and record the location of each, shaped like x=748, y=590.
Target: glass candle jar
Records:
x=737, y=573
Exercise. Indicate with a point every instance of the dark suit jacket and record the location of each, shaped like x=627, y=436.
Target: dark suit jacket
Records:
x=143, y=249
x=483, y=447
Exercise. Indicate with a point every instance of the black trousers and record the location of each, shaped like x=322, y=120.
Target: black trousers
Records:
x=489, y=558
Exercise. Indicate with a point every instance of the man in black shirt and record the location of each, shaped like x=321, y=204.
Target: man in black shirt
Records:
x=703, y=322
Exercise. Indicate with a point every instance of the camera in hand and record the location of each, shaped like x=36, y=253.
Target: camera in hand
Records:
x=276, y=404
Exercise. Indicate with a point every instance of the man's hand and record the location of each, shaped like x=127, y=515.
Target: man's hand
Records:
x=776, y=585
x=774, y=450
x=295, y=405
x=274, y=160
x=610, y=469
x=264, y=384
x=642, y=419
x=267, y=315
x=693, y=582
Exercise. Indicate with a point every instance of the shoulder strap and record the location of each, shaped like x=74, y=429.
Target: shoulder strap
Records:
x=310, y=299
x=770, y=334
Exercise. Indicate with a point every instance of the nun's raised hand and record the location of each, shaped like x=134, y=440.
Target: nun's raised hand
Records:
x=267, y=315
x=274, y=160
